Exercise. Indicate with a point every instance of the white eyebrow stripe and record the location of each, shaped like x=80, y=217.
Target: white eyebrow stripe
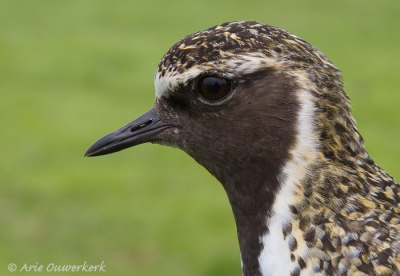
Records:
x=170, y=82
x=234, y=65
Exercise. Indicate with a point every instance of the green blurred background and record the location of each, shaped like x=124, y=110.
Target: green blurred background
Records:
x=72, y=71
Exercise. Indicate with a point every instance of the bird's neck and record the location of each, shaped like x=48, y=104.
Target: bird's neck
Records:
x=266, y=220
x=267, y=195
x=252, y=213
x=277, y=216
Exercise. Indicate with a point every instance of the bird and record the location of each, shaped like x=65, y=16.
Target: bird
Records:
x=265, y=113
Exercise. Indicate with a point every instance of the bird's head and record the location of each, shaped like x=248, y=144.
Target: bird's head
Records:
x=265, y=113
x=238, y=94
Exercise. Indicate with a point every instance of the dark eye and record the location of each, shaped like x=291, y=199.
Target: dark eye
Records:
x=214, y=88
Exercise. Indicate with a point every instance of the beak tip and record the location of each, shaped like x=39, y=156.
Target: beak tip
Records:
x=93, y=152
x=87, y=154
x=94, y=149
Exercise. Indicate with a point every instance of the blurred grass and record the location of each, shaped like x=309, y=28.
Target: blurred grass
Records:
x=72, y=71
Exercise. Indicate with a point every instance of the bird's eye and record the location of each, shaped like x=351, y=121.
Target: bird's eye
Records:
x=214, y=88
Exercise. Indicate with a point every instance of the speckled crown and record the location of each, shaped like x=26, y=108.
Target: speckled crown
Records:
x=240, y=38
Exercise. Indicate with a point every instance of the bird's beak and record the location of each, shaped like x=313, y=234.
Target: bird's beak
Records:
x=143, y=129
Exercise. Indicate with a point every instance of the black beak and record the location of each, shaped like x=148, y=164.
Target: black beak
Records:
x=143, y=129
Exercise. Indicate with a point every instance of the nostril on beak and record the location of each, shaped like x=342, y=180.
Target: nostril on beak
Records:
x=135, y=128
